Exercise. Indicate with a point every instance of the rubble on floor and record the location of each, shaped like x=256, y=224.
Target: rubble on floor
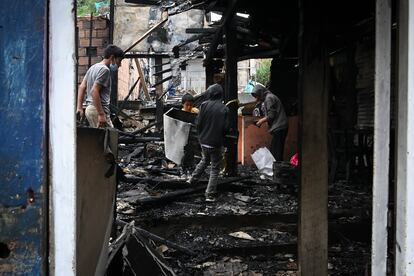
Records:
x=250, y=230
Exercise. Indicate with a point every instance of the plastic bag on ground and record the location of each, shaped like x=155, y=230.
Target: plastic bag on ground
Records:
x=264, y=159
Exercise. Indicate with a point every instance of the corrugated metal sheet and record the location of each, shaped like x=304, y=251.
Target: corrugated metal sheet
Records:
x=365, y=62
x=23, y=210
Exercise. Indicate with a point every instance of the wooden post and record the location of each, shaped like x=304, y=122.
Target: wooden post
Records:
x=142, y=79
x=114, y=87
x=313, y=94
x=381, y=137
x=209, y=74
x=158, y=78
x=404, y=243
x=231, y=96
x=158, y=92
x=61, y=131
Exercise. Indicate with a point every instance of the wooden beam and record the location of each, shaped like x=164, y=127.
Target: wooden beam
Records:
x=404, y=243
x=162, y=72
x=200, y=30
x=209, y=75
x=259, y=54
x=231, y=95
x=313, y=93
x=227, y=16
x=381, y=137
x=147, y=33
x=158, y=78
x=142, y=78
x=160, y=82
x=59, y=151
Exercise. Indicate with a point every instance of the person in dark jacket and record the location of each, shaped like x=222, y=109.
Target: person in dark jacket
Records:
x=212, y=125
x=275, y=117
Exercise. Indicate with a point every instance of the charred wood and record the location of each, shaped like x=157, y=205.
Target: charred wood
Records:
x=154, y=237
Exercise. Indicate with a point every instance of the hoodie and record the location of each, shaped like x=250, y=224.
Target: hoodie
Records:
x=273, y=108
x=212, y=120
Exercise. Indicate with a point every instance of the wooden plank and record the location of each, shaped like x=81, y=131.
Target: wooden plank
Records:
x=62, y=139
x=142, y=78
x=231, y=96
x=95, y=199
x=381, y=137
x=404, y=240
x=147, y=33
x=313, y=76
x=158, y=78
x=227, y=17
x=200, y=30
x=24, y=134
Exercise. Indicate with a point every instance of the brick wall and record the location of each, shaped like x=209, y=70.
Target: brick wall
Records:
x=100, y=39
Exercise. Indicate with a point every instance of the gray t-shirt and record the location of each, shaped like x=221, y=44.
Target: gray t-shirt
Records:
x=99, y=73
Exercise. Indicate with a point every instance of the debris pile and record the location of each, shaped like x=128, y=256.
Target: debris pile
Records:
x=165, y=227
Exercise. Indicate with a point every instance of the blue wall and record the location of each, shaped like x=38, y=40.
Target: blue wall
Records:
x=23, y=150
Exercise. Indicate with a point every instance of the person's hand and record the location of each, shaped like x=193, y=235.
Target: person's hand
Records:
x=102, y=120
x=80, y=113
x=259, y=123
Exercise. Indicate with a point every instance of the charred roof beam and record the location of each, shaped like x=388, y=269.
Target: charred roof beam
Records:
x=183, y=7
x=258, y=54
x=176, y=48
x=262, y=39
x=226, y=18
x=200, y=30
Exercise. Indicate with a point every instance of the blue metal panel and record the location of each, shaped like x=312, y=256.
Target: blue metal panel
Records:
x=23, y=182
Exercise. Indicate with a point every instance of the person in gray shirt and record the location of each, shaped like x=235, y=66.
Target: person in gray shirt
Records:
x=97, y=86
x=275, y=116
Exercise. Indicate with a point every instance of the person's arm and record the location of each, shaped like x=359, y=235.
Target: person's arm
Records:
x=271, y=111
x=261, y=121
x=81, y=97
x=96, y=99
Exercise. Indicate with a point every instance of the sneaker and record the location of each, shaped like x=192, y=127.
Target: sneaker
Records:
x=210, y=198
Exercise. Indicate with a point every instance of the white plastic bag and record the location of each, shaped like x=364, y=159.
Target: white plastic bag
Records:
x=264, y=159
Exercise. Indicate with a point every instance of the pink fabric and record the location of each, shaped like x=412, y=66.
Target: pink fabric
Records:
x=294, y=160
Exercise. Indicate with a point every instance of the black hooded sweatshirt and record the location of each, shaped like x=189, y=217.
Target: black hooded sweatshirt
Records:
x=212, y=120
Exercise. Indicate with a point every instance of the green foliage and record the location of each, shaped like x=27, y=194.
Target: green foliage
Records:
x=263, y=71
x=85, y=7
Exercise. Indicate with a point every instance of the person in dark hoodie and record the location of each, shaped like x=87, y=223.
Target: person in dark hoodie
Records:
x=275, y=116
x=212, y=126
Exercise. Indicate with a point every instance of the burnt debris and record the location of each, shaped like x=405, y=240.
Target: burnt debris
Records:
x=165, y=227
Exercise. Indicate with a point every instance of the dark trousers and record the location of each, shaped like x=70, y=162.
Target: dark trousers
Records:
x=192, y=148
x=278, y=143
x=213, y=155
